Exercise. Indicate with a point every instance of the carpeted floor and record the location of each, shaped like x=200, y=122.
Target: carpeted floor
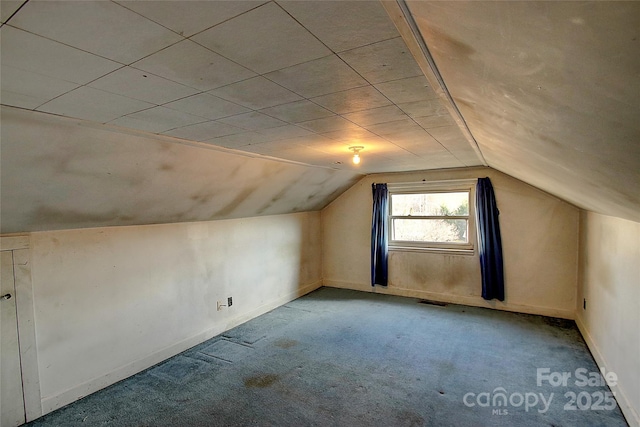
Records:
x=346, y=358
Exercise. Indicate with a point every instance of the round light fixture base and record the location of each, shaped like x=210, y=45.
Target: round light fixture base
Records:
x=356, y=153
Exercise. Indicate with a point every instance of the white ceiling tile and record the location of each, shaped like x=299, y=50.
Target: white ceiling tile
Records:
x=29, y=90
x=328, y=124
x=253, y=121
x=187, y=21
x=36, y=54
x=284, y=132
x=336, y=148
x=443, y=160
x=451, y=137
x=256, y=93
x=204, y=131
x=207, y=106
x=157, y=119
x=383, y=61
x=99, y=27
x=419, y=137
x=353, y=136
x=400, y=160
x=428, y=107
x=343, y=25
x=238, y=140
x=8, y=8
x=390, y=128
x=93, y=104
x=347, y=135
x=368, y=140
x=429, y=122
x=384, y=149
x=411, y=89
x=467, y=157
x=142, y=85
x=193, y=65
x=416, y=141
x=376, y=115
x=263, y=40
x=319, y=77
x=353, y=100
x=313, y=141
x=298, y=111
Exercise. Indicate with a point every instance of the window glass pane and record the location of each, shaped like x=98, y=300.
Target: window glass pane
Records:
x=431, y=230
x=429, y=204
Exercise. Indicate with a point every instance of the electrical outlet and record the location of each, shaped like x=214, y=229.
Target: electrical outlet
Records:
x=229, y=302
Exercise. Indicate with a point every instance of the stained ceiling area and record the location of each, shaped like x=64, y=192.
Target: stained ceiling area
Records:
x=549, y=90
x=544, y=91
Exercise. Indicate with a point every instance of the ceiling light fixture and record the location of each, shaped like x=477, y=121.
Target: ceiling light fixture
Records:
x=356, y=153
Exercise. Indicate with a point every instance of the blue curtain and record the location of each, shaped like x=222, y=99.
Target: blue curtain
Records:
x=380, y=236
x=489, y=241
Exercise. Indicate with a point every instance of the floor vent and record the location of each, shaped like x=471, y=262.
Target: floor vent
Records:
x=429, y=302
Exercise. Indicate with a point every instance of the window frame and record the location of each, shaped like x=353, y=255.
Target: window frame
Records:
x=425, y=187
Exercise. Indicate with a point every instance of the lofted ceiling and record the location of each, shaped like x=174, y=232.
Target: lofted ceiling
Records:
x=544, y=91
x=296, y=80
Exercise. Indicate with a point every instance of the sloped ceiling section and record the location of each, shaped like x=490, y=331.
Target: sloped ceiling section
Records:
x=115, y=112
x=549, y=90
x=115, y=109
x=61, y=173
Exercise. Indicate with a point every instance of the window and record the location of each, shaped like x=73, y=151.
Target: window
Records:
x=432, y=216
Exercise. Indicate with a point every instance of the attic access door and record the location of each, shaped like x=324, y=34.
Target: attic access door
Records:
x=12, y=410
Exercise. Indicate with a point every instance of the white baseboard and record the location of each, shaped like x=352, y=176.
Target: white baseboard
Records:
x=475, y=301
x=51, y=403
x=633, y=418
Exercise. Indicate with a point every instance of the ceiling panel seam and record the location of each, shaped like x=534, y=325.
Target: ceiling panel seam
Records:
x=194, y=34
x=306, y=29
x=14, y=13
x=64, y=44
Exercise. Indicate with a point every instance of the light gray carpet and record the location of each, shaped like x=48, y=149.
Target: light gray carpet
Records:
x=346, y=358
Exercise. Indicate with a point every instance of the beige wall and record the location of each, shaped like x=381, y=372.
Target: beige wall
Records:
x=610, y=283
x=539, y=236
x=110, y=302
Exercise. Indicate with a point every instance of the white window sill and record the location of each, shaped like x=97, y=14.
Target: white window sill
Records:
x=442, y=251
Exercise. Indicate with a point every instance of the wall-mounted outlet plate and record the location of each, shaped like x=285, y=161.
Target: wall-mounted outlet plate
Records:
x=229, y=301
